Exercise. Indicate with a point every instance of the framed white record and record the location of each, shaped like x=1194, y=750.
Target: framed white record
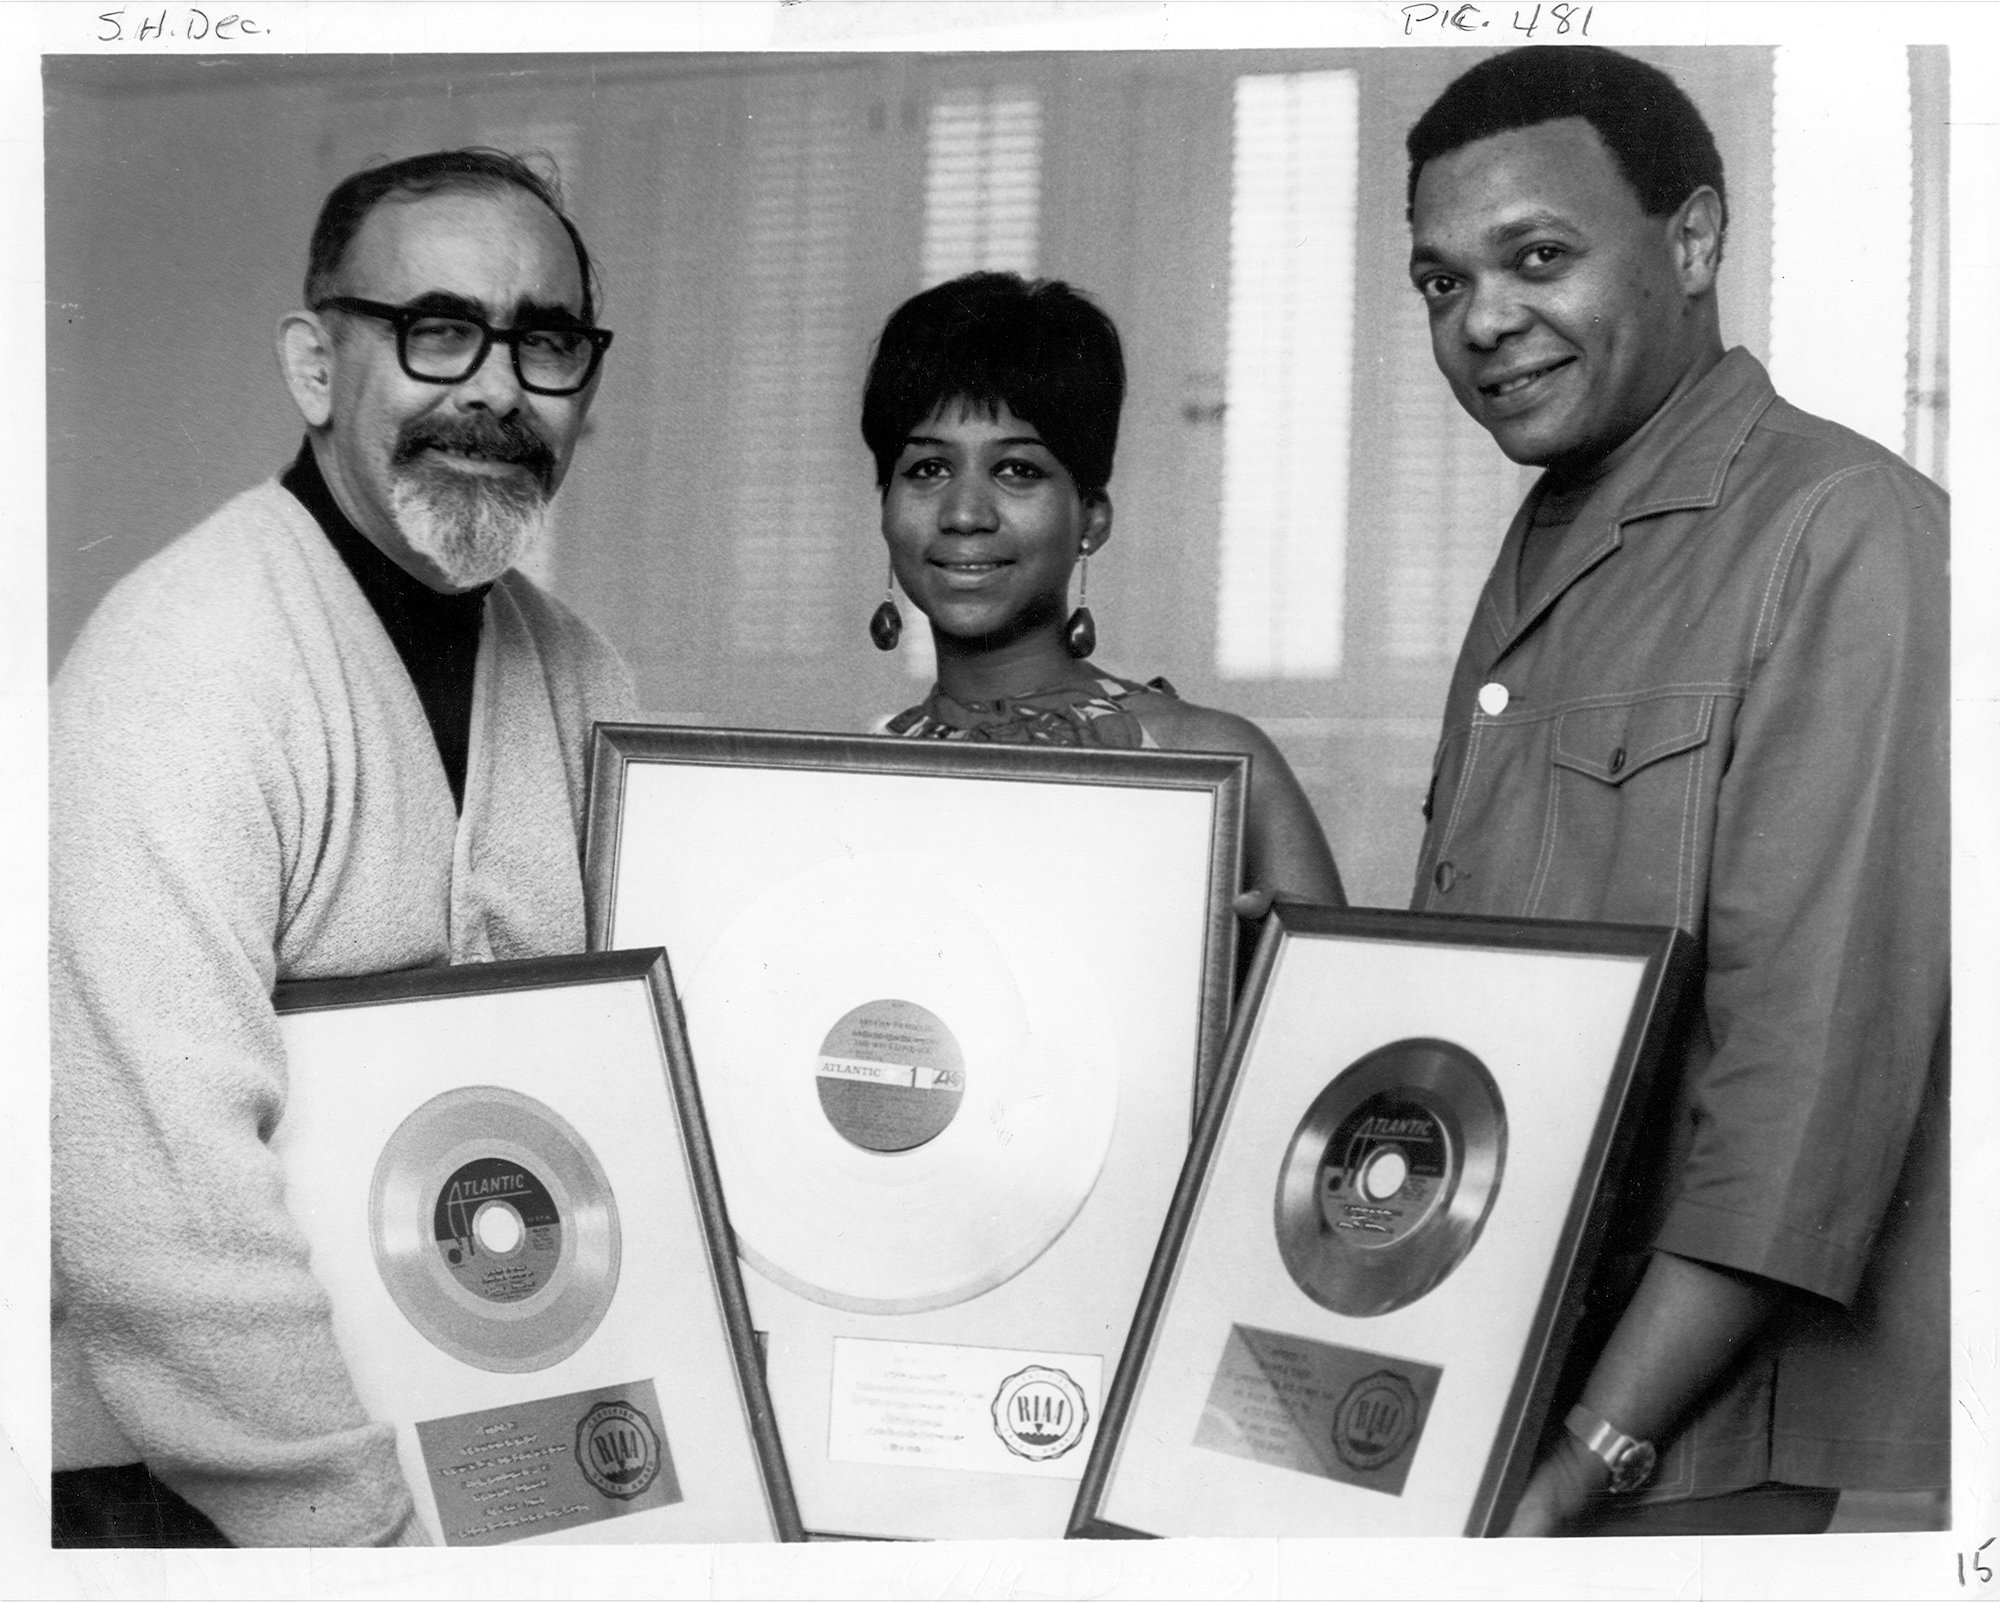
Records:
x=948, y=1125
x=503, y=1173
x=1372, y=1267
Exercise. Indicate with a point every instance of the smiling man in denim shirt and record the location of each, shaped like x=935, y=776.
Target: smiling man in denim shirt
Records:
x=1705, y=685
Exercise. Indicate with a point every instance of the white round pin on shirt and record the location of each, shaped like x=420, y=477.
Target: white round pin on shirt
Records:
x=1493, y=699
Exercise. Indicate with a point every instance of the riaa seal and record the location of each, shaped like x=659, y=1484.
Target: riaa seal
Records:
x=618, y=1449
x=1039, y=1413
x=1375, y=1421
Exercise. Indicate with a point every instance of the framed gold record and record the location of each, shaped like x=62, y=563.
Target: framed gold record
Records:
x=504, y=1177
x=948, y=1121
x=1370, y=1271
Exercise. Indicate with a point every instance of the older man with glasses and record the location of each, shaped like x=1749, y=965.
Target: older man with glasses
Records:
x=328, y=732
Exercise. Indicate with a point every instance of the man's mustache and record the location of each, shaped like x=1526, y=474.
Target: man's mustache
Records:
x=499, y=439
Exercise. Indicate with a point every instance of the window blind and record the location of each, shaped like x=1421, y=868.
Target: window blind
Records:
x=982, y=181
x=1282, y=590
x=793, y=366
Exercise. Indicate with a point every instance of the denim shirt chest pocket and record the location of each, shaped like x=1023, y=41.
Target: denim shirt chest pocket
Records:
x=1629, y=824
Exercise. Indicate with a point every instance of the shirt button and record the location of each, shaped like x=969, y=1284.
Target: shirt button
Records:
x=1493, y=698
x=1444, y=876
x=1618, y=760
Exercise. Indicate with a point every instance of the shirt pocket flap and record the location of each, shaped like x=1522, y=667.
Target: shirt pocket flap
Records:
x=1611, y=743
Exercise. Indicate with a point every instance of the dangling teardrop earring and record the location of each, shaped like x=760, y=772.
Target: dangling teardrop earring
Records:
x=885, y=628
x=1080, y=633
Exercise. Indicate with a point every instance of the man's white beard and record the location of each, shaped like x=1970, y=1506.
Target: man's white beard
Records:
x=473, y=528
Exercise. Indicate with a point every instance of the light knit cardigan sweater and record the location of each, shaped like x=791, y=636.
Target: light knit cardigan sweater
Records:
x=244, y=789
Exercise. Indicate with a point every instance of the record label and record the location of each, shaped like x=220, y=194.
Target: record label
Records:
x=1386, y=1166
x=1389, y=1178
x=498, y=1230
x=891, y=1076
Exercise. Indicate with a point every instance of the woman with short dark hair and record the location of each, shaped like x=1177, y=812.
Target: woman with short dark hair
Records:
x=991, y=409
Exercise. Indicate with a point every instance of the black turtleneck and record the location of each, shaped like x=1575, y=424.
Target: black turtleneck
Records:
x=436, y=635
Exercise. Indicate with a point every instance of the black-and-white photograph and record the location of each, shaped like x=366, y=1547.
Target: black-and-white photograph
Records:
x=1513, y=447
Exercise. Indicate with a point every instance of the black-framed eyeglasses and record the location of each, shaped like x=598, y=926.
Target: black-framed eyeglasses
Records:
x=438, y=348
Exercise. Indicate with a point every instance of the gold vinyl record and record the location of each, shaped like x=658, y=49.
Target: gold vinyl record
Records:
x=494, y=1229
x=893, y=1131
x=1390, y=1176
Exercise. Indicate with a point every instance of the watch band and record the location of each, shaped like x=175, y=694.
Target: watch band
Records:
x=1630, y=1459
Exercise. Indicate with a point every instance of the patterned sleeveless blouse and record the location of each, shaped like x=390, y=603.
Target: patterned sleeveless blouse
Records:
x=1076, y=715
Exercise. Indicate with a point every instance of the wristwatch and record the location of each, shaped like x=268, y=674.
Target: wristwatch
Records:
x=1631, y=1461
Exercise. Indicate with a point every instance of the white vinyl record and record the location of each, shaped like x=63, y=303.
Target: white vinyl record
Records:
x=892, y=1130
